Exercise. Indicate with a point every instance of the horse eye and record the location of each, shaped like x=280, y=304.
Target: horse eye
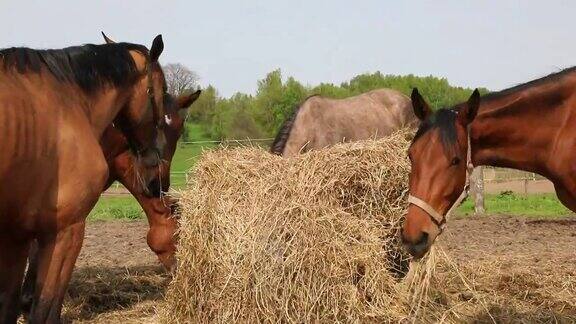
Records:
x=455, y=160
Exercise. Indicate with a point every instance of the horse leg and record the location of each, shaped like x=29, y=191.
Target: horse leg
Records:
x=30, y=279
x=57, y=257
x=12, y=265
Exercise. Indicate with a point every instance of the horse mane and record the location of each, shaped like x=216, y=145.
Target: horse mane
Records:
x=89, y=66
x=540, y=81
x=281, y=138
x=445, y=119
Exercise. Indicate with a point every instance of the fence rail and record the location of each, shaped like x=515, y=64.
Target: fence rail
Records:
x=228, y=141
x=496, y=179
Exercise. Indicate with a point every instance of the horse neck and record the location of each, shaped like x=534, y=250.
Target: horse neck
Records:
x=103, y=108
x=100, y=108
x=113, y=144
x=518, y=129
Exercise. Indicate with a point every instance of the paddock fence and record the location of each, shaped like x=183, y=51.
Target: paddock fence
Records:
x=496, y=180
x=178, y=179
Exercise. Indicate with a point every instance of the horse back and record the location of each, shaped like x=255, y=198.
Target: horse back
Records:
x=323, y=122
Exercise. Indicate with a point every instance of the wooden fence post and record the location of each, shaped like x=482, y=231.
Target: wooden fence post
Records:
x=477, y=190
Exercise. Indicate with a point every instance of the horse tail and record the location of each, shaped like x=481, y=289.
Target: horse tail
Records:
x=281, y=139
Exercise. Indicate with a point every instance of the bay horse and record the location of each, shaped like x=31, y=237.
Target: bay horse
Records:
x=158, y=208
x=529, y=127
x=320, y=122
x=55, y=105
x=122, y=164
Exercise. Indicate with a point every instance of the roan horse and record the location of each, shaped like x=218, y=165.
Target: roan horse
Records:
x=157, y=207
x=54, y=107
x=529, y=127
x=321, y=122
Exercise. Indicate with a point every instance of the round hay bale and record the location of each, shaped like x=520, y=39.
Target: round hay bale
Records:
x=312, y=238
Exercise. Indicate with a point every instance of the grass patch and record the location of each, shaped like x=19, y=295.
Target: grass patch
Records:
x=116, y=207
x=534, y=205
x=187, y=155
x=185, y=158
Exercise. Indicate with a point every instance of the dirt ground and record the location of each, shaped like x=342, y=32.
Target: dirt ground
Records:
x=119, y=279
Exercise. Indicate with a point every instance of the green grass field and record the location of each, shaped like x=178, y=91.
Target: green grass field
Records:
x=116, y=207
x=540, y=205
x=535, y=205
x=186, y=155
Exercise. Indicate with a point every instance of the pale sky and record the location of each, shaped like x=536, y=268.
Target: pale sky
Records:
x=233, y=43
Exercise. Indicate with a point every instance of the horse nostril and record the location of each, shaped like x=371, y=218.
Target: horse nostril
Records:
x=423, y=241
x=419, y=248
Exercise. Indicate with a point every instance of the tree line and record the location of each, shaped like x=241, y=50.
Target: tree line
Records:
x=260, y=115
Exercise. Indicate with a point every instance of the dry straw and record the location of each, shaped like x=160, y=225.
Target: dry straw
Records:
x=306, y=239
x=315, y=239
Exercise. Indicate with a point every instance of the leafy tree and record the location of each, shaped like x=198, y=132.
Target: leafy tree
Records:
x=261, y=115
x=203, y=108
x=201, y=112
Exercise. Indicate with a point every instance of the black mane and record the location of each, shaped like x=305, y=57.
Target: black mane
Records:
x=445, y=121
x=279, y=143
x=282, y=137
x=88, y=66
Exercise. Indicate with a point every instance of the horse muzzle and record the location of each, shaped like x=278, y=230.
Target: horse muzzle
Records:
x=150, y=158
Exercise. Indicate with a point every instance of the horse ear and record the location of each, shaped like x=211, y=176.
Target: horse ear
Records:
x=421, y=108
x=157, y=48
x=108, y=40
x=185, y=101
x=467, y=113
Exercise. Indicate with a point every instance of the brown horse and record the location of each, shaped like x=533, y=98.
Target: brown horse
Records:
x=54, y=107
x=157, y=207
x=320, y=122
x=529, y=127
x=122, y=164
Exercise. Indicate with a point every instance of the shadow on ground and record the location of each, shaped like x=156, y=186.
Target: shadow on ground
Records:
x=98, y=290
x=505, y=314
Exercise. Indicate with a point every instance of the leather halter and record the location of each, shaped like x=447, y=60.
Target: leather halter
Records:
x=436, y=217
x=157, y=114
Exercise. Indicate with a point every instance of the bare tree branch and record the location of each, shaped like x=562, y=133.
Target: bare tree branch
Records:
x=180, y=79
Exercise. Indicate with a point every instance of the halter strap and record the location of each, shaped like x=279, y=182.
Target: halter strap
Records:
x=435, y=216
x=157, y=114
